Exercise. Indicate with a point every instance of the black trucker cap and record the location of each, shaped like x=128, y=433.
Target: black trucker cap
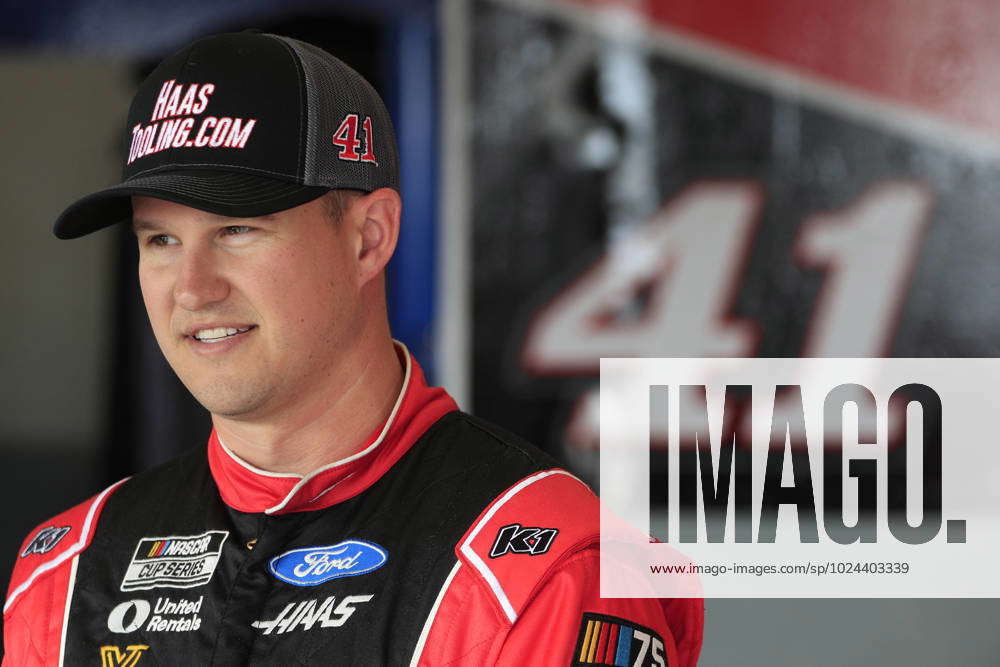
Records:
x=245, y=124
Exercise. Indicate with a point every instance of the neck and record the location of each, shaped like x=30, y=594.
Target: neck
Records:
x=328, y=425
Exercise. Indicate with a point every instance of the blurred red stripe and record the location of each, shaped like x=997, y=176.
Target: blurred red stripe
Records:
x=938, y=57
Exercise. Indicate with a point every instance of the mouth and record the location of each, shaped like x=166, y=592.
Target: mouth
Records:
x=219, y=334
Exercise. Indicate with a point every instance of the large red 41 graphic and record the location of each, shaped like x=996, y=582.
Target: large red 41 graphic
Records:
x=666, y=288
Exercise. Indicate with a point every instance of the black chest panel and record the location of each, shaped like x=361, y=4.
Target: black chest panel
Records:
x=169, y=578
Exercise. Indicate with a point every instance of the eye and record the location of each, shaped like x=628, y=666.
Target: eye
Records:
x=236, y=230
x=161, y=240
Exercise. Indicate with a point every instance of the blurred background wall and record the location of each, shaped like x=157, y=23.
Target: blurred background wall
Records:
x=810, y=179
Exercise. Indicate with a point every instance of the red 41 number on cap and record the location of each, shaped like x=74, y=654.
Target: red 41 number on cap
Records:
x=346, y=137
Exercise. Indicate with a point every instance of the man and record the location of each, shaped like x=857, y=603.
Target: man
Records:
x=343, y=511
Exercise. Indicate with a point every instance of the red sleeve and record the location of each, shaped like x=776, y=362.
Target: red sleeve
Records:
x=525, y=591
x=41, y=585
x=568, y=623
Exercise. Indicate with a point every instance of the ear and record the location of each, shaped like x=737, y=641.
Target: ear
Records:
x=378, y=219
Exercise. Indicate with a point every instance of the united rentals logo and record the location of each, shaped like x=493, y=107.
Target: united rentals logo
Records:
x=46, y=540
x=167, y=615
x=609, y=640
x=181, y=561
x=518, y=540
x=112, y=656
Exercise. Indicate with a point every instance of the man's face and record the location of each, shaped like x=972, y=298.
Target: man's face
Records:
x=251, y=313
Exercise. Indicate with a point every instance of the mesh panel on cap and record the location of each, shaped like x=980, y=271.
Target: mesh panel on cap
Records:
x=334, y=90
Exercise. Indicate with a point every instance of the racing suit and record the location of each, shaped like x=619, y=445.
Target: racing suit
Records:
x=442, y=541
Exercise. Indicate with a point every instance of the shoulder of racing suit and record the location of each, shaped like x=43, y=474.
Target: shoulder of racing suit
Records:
x=525, y=587
x=43, y=573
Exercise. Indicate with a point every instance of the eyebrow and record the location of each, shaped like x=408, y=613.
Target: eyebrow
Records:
x=144, y=225
x=149, y=225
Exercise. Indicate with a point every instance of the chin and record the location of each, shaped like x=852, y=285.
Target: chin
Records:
x=229, y=402
x=225, y=410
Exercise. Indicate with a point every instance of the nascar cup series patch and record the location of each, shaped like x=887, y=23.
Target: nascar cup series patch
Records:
x=311, y=566
x=176, y=561
x=609, y=640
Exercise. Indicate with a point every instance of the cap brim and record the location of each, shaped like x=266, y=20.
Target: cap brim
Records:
x=233, y=194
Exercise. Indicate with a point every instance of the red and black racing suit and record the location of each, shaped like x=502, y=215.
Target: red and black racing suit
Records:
x=442, y=541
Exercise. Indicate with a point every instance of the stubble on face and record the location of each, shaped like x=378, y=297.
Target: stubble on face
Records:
x=289, y=286
x=229, y=396
x=236, y=385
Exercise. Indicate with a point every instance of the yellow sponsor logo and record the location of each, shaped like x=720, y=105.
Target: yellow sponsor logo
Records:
x=112, y=656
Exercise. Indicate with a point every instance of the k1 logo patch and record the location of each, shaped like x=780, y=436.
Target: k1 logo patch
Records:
x=46, y=540
x=609, y=640
x=311, y=566
x=516, y=539
x=177, y=561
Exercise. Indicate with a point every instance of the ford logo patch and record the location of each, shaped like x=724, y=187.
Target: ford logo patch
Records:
x=311, y=566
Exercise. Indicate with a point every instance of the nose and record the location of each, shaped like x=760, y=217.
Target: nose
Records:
x=199, y=282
